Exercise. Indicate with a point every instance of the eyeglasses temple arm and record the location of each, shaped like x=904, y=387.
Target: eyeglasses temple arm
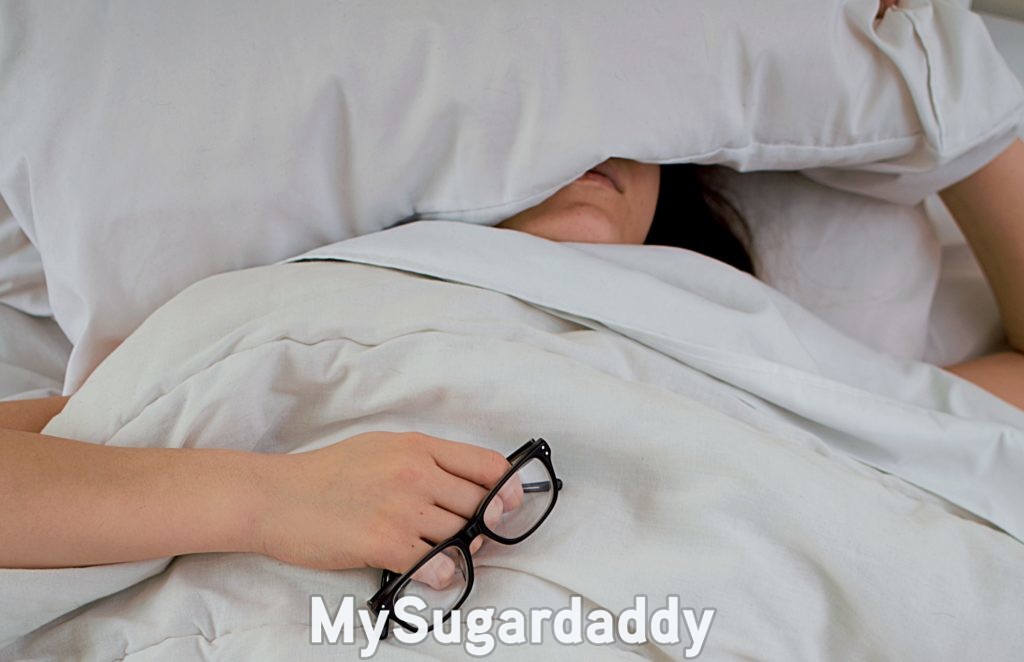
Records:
x=541, y=486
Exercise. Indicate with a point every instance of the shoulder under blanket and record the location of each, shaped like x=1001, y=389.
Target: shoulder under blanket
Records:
x=699, y=421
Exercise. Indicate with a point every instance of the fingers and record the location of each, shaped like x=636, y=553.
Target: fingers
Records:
x=438, y=525
x=438, y=573
x=404, y=554
x=453, y=489
x=444, y=570
x=492, y=516
x=458, y=495
x=479, y=465
x=435, y=525
x=511, y=493
x=462, y=498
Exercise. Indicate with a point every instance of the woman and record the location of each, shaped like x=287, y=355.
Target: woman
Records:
x=641, y=203
x=618, y=202
x=69, y=503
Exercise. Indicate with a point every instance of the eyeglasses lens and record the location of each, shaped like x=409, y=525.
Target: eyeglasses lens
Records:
x=441, y=581
x=525, y=498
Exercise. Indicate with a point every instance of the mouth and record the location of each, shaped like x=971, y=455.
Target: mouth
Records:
x=597, y=178
x=609, y=172
x=603, y=174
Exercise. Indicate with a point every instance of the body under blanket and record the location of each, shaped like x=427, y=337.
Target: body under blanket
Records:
x=679, y=480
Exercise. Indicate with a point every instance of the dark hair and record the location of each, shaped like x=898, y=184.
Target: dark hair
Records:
x=692, y=214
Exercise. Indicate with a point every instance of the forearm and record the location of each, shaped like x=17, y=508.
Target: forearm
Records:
x=989, y=208
x=1001, y=374
x=69, y=503
x=30, y=415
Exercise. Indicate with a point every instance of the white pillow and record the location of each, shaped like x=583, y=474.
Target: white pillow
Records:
x=146, y=145
x=33, y=353
x=867, y=267
x=22, y=281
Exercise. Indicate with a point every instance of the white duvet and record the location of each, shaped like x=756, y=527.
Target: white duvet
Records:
x=705, y=429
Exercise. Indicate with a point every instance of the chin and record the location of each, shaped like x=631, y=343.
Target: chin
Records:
x=575, y=221
x=583, y=223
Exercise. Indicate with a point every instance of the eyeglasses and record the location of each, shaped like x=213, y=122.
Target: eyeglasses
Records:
x=527, y=499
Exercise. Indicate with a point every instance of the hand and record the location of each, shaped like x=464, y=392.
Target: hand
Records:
x=379, y=500
x=440, y=571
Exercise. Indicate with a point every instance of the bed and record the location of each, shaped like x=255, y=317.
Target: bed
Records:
x=952, y=313
x=824, y=489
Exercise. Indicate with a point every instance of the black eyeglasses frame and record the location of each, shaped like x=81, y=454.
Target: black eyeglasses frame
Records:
x=392, y=583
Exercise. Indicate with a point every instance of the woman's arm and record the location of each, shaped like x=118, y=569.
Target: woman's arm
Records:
x=989, y=208
x=69, y=503
x=1001, y=374
x=30, y=415
x=371, y=500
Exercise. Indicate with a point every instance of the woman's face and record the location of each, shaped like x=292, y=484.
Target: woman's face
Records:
x=613, y=203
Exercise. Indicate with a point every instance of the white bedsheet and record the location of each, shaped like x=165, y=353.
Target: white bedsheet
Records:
x=33, y=355
x=695, y=416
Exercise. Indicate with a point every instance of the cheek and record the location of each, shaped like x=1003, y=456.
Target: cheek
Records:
x=590, y=224
x=572, y=216
x=644, y=205
x=578, y=222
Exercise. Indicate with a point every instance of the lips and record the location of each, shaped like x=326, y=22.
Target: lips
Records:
x=597, y=178
x=609, y=170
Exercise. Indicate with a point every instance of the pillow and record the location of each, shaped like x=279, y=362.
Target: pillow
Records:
x=965, y=320
x=33, y=353
x=22, y=282
x=867, y=267
x=147, y=145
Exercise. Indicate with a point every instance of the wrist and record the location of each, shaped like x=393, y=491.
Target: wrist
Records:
x=250, y=491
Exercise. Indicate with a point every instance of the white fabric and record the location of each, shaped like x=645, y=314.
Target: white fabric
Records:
x=22, y=282
x=964, y=321
x=775, y=360
x=33, y=351
x=147, y=145
x=1008, y=36
x=680, y=476
x=872, y=269
x=950, y=60
x=1011, y=9
x=33, y=354
x=866, y=266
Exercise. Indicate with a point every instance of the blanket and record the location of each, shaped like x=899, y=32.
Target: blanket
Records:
x=716, y=443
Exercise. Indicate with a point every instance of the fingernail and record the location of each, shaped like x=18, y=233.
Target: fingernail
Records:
x=494, y=510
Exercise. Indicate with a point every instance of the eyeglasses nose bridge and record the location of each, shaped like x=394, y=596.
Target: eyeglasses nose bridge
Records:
x=472, y=531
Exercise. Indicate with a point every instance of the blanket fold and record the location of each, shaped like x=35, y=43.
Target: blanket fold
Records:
x=704, y=427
